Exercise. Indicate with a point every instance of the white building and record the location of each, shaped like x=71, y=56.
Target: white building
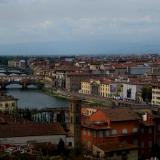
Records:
x=130, y=91
x=22, y=132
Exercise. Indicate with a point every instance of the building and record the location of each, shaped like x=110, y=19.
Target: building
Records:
x=7, y=103
x=139, y=69
x=94, y=66
x=109, y=125
x=21, y=132
x=75, y=120
x=88, y=111
x=147, y=134
x=22, y=64
x=97, y=87
x=73, y=80
x=119, y=69
x=104, y=88
x=131, y=91
x=156, y=94
x=85, y=87
x=13, y=63
x=116, y=90
x=61, y=73
x=138, y=128
x=116, y=151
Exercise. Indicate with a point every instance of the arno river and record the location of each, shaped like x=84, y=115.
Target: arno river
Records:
x=34, y=98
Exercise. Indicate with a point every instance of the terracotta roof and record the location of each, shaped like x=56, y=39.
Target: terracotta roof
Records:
x=116, y=146
x=9, y=127
x=98, y=125
x=116, y=114
x=23, y=130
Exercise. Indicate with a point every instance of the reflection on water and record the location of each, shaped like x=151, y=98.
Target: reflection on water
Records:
x=33, y=98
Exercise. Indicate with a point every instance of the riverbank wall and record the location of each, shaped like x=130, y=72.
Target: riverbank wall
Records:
x=91, y=100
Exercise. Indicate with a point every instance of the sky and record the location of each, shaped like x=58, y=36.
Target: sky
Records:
x=79, y=27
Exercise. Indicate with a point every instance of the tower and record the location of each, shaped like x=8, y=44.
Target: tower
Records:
x=75, y=120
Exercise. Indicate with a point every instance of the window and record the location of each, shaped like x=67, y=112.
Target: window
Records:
x=13, y=104
x=142, y=130
x=89, y=143
x=114, y=131
x=101, y=134
x=77, y=119
x=124, y=131
x=110, y=154
x=70, y=144
x=135, y=141
x=135, y=130
x=118, y=153
x=129, y=91
x=106, y=133
x=94, y=133
x=150, y=130
x=88, y=132
x=124, y=156
x=150, y=144
x=124, y=142
x=6, y=105
x=71, y=107
x=98, y=154
x=142, y=144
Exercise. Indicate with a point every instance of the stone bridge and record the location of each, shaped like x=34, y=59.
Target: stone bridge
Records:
x=6, y=70
x=23, y=80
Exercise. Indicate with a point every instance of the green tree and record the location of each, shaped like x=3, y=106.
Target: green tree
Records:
x=155, y=151
x=146, y=93
x=60, y=147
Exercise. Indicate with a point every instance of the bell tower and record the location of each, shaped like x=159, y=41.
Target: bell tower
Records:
x=75, y=120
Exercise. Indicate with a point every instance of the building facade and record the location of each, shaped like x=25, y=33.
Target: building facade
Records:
x=99, y=87
x=85, y=87
x=156, y=94
x=7, y=103
x=122, y=126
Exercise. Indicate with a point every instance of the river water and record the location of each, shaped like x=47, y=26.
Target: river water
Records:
x=34, y=98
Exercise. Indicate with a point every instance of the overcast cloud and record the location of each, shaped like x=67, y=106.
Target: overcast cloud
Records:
x=79, y=26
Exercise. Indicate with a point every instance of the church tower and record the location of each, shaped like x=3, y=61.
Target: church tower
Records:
x=75, y=120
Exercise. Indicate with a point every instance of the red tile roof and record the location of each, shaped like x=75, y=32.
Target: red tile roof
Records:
x=117, y=114
x=9, y=127
x=23, y=130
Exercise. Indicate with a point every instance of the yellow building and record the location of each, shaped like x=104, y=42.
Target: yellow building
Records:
x=94, y=66
x=96, y=87
x=156, y=94
x=85, y=87
x=7, y=103
x=104, y=89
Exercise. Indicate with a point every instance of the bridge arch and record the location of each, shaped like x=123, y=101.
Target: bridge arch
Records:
x=24, y=81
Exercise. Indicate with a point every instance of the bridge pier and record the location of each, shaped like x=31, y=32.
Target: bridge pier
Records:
x=24, y=86
x=3, y=86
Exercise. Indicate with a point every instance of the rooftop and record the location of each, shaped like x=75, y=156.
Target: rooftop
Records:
x=116, y=114
x=11, y=127
x=111, y=147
